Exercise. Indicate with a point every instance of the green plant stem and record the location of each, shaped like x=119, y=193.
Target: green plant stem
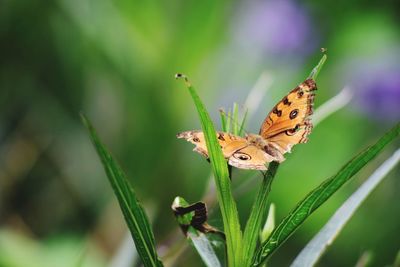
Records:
x=258, y=214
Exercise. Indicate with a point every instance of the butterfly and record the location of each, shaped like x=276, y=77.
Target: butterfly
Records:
x=287, y=124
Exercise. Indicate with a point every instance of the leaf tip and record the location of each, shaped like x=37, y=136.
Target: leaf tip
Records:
x=314, y=73
x=184, y=77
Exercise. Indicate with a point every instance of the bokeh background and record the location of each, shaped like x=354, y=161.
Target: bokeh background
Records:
x=115, y=61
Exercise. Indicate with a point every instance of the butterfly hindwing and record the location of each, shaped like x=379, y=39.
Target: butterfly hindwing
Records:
x=237, y=150
x=250, y=157
x=287, y=139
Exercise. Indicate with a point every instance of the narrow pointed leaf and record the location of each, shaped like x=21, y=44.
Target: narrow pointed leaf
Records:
x=133, y=212
x=222, y=115
x=243, y=124
x=314, y=73
x=228, y=121
x=221, y=176
x=235, y=125
x=319, y=244
x=319, y=195
x=269, y=225
x=204, y=248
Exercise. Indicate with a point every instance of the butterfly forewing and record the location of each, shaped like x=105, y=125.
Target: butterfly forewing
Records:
x=288, y=123
x=229, y=143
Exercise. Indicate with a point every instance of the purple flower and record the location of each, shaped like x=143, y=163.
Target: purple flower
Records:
x=375, y=80
x=276, y=27
x=379, y=96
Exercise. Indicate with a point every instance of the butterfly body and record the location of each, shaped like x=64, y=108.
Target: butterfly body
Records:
x=286, y=125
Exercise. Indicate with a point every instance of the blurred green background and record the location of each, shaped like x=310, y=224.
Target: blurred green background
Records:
x=116, y=60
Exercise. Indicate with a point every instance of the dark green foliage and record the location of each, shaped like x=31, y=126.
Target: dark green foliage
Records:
x=134, y=214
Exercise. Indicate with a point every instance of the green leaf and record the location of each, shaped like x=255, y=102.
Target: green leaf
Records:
x=203, y=246
x=313, y=251
x=235, y=119
x=269, y=225
x=133, y=212
x=222, y=115
x=228, y=121
x=258, y=214
x=319, y=195
x=242, y=125
x=314, y=73
x=221, y=176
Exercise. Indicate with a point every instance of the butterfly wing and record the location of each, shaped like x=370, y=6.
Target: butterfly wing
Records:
x=250, y=157
x=237, y=150
x=288, y=123
x=229, y=143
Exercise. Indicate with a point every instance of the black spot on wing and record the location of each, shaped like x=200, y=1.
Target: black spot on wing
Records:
x=286, y=101
x=242, y=156
x=293, y=114
x=277, y=112
x=293, y=131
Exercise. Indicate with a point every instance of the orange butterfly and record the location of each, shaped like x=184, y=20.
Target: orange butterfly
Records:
x=286, y=125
